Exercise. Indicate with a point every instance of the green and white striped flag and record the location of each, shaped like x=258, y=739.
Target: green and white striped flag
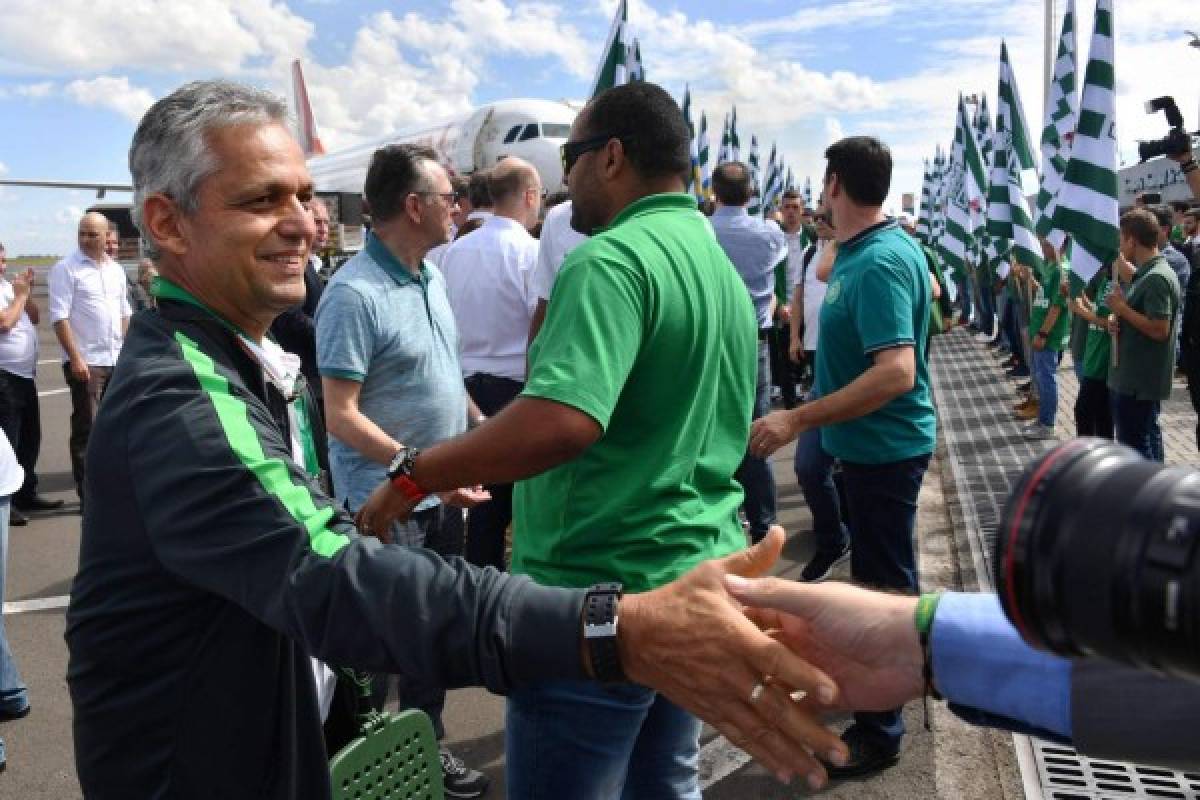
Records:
x=703, y=173
x=789, y=182
x=735, y=144
x=966, y=180
x=636, y=70
x=773, y=188
x=938, y=198
x=614, y=66
x=924, y=214
x=1062, y=110
x=755, y=207
x=692, y=183
x=1087, y=201
x=723, y=154
x=984, y=247
x=1008, y=220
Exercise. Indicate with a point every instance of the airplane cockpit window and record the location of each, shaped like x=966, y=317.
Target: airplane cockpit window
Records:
x=531, y=132
x=512, y=134
x=554, y=130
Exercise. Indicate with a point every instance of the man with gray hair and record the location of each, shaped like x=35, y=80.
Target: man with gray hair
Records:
x=89, y=309
x=488, y=282
x=213, y=564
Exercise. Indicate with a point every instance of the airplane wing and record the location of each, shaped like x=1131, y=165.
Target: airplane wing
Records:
x=99, y=188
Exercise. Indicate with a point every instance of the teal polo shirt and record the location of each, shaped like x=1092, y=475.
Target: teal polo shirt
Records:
x=380, y=325
x=878, y=298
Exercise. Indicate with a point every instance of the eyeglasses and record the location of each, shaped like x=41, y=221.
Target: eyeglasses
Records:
x=449, y=198
x=571, y=151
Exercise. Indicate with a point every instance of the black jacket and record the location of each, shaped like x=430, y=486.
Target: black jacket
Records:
x=211, y=567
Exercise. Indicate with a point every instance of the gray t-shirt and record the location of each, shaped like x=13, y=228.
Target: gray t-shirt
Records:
x=394, y=333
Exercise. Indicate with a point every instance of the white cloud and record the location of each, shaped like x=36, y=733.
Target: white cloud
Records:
x=413, y=69
x=114, y=93
x=3, y=168
x=90, y=36
x=35, y=90
x=68, y=215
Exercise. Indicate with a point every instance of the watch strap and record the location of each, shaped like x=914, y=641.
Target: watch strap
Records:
x=409, y=488
x=600, y=631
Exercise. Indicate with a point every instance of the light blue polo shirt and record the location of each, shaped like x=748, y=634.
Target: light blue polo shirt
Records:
x=394, y=333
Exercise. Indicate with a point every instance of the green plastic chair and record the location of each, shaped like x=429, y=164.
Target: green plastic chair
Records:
x=395, y=758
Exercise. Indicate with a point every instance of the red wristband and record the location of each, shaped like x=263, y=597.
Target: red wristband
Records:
x=409, y=488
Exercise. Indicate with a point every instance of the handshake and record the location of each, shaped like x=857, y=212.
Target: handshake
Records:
x=763, y=660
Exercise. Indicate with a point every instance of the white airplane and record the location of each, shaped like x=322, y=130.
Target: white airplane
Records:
x=527, y=128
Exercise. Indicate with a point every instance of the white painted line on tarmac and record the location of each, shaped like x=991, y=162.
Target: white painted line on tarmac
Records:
x=50, y=361
x=718, y=760
x=49, y=392
x=37, y=604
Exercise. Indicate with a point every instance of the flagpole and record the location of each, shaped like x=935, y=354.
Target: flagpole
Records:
x=1051, y=18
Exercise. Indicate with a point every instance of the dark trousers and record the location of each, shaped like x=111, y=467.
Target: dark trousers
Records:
x=754, y=473
x=1093, y=409
x=21, y=420
x=444, y=534
x=783, y=371
x=85, y=399
x=486, y=523
x=883, y=513
x=1137, y=425
x=1191, y=367
x=987, y=310
x=814, y=473
x=964, y=297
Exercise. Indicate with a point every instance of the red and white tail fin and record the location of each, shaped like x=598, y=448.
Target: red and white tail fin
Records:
x=306, y=122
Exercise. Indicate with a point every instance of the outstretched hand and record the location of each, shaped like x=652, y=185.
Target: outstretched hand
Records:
x=865, y=641
x=691, y=642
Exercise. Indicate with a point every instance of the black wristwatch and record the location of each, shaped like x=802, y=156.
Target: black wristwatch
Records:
x=600, y=631
x=400, y=472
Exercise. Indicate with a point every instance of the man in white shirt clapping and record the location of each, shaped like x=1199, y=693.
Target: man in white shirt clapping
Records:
x=90, y=311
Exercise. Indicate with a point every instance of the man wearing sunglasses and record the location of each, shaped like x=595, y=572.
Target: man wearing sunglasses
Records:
x=625, y=441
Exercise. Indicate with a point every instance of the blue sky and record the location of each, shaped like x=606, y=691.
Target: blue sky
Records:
x=75, y=75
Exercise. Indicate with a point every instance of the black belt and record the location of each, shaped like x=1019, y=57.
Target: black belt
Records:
x=764, y=334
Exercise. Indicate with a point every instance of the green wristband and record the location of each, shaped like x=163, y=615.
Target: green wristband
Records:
x=926, y=608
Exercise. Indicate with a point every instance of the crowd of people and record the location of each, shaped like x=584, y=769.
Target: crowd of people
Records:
x=516, y=441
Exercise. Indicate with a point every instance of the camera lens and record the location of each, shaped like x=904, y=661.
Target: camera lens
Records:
x=1096, y=555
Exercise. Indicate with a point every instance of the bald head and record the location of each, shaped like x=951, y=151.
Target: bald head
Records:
x=93, y=232
x=516, y=190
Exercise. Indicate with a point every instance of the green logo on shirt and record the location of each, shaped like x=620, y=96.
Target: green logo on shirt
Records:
x=834, y=291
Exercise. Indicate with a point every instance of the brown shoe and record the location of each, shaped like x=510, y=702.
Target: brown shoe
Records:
x=1028, y=412
x=1025, y=403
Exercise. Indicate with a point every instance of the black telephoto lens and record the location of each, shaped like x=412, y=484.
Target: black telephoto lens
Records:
x=1096, y=555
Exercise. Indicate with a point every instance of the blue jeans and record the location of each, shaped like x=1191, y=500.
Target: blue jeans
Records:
x=1137, y=425
x=580, y=740
x=814, y=473
x=883, y=513
x=754, y=473
x=1044, y=367
x=14, y=697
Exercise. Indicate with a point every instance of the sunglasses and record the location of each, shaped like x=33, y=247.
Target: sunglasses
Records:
x=571, y=151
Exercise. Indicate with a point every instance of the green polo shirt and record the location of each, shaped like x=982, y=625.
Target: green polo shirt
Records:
x=1097, y=349
x=1049, y=295
x=878, y=298
x=1144, y=366
x=650, y=332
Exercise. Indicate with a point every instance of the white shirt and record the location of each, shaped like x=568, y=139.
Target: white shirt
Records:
x=487, y=280
x=814, y=297
x=558, y=239
x=795, y=257
x=91, y=296
x=11, y=473
x=18, y=347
